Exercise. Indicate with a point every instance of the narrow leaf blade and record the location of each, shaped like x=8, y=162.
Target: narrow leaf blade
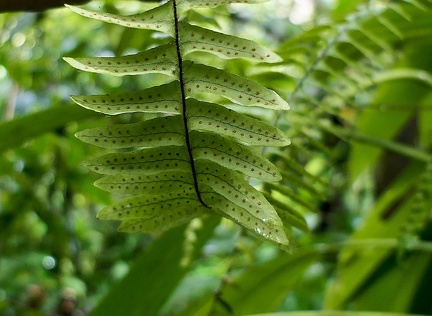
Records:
x=212, y=117
x=268, y=229
x=149, y=183
x=226, y=46
x=201, y=78
x=151, y=161
x=150, y=207
x=159, y=99
x=233, y=155
x=157, y=19
x=185, y=5
x=156, y=60
x=186, y=209
x=237, y=191
x=161, y=131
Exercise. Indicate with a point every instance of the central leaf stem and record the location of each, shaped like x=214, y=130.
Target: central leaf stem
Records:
x=183, y=100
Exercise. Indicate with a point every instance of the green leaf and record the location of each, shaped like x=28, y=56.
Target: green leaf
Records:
x=289, y=215
x=195, y=38
x=161, y=222
x=233, y=156
x=154, y=213
x=154, y=275
x=158, y=19
x=234, y=188
x=269, y=229
x=395, y=277
x=159, y=60
x=150, y=184
x=150, y=160
x=161, y=131
x=289, y=193
x=212, y=117
x=239, y=200
x=263, y=288
x=201, y=78
x=185, y=5
x=159, y=99
x=156, y=153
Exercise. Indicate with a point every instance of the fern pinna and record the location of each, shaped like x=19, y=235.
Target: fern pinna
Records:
x=195, y=156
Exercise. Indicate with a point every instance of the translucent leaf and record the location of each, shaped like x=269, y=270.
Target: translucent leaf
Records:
x=175, y=174
x=161, y=222
x=161, y=131
x=159, y=99
x=196, y=38
x=148, y=206
x=153, y=214
x=235, y=189
x=233, y=156
x=160, y=18
x=185, y=5
x=161, y=59
x=200, y=78
x=150, y=160
x=266, y=227
x=147, y=183
x=212, y=117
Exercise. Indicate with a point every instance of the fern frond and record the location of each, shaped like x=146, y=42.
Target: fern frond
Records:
x=333, y=67
x=421, y=209
x=196, y=156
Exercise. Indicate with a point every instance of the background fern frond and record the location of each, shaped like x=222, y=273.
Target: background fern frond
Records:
x=329, y=71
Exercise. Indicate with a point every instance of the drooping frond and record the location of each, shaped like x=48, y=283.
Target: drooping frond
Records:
x=196, y=156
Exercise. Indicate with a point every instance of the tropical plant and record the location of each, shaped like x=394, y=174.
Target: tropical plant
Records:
x=194, y=158
x=359, y=86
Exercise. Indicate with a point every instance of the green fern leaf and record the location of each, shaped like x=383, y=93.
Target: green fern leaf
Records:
x=196, y=38
x=233, y=155
x=148, y=183
x=269, y=228
x=159, y=99
x=161, y=131
x=195, y=157
x=154, y=214
x=156, y=60
x=150, y=161
x=212, y=117
x=185, y=5
x=158, y=19
x=201, y=78
x=233, y=187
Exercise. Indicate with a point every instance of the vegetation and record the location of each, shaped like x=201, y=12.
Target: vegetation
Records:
x=349, y=214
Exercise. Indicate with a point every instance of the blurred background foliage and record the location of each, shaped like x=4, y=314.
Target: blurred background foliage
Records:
x=357, y=75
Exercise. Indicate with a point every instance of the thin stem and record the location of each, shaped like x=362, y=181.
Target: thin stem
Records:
x=378, y=243
x=398, y=148
x=183, y=100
